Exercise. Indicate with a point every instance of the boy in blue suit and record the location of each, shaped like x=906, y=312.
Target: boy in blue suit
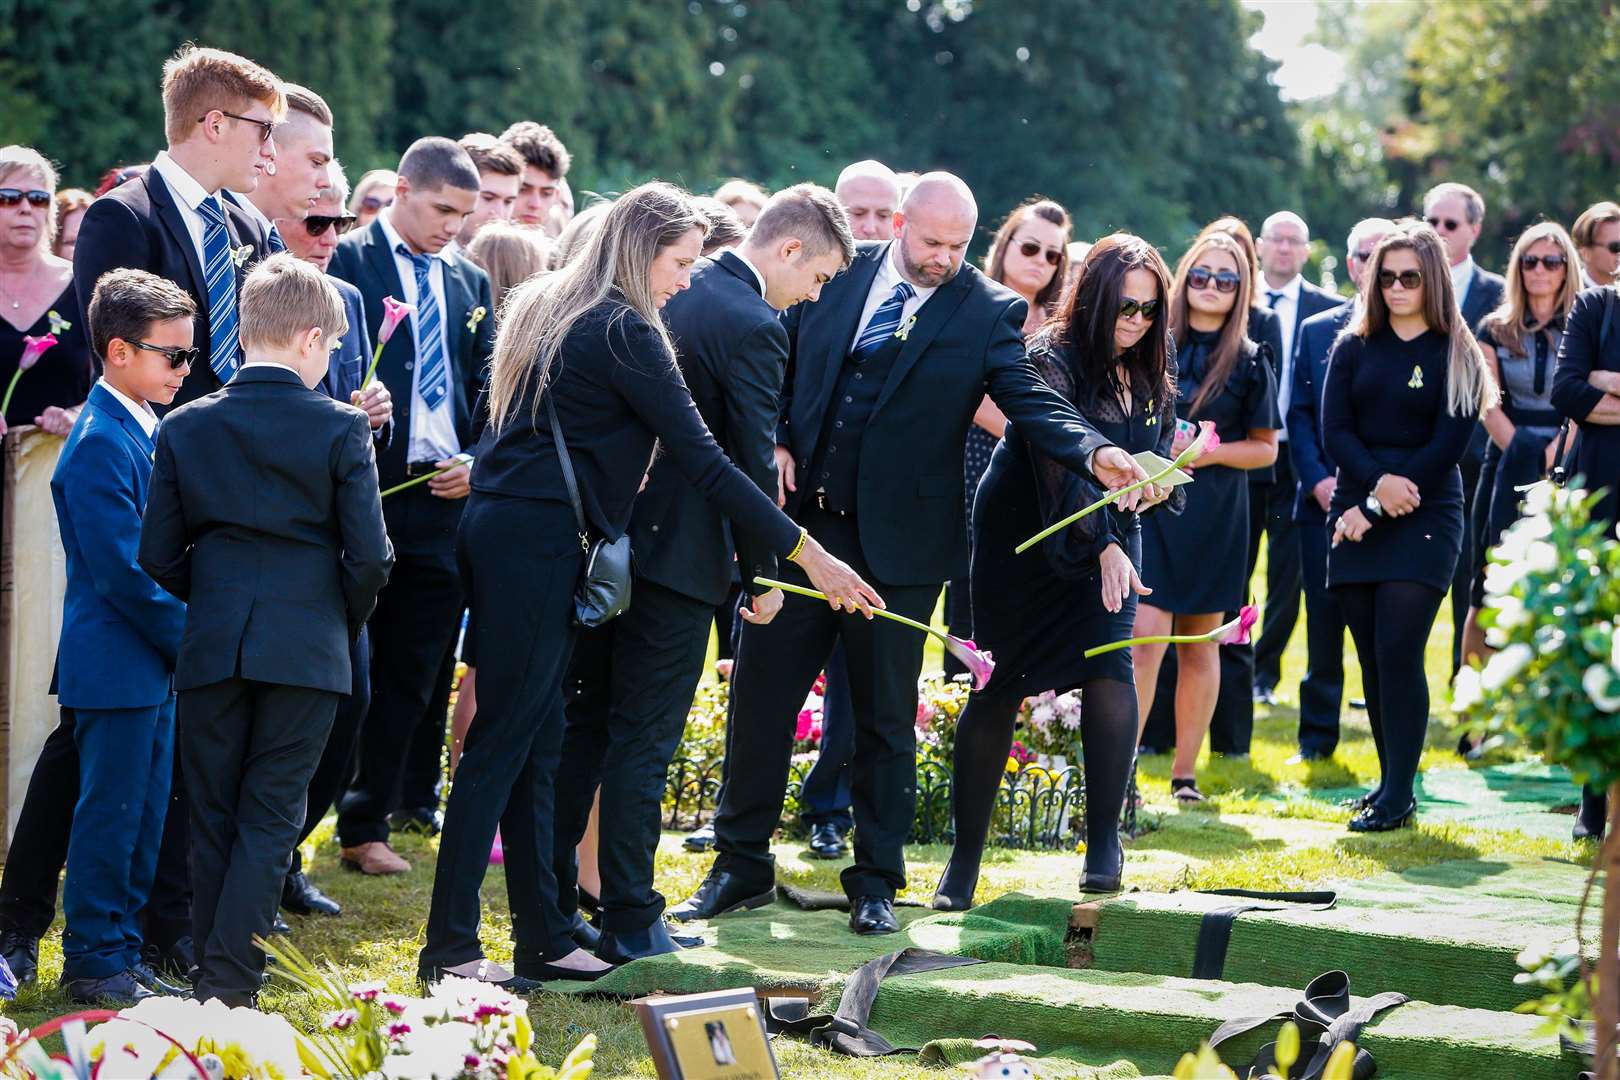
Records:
x=120, y=634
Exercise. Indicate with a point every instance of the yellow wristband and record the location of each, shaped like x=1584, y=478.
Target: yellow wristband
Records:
x=804, y=534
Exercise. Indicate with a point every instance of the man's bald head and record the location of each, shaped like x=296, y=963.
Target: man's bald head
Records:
x=870, y=194
x=934, y=226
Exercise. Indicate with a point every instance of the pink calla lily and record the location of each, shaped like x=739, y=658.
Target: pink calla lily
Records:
x=394, y=313
x=1235, y=632
x=33, y=349
x=980, y=664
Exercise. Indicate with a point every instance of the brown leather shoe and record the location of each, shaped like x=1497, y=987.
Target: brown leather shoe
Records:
x=373, y=858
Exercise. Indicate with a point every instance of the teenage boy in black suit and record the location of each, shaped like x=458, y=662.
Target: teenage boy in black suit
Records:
x=264, y=516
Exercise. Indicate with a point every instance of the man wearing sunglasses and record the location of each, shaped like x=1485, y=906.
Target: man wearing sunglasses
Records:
x=1457, y=213
x=220, y=113
x=1597, y=238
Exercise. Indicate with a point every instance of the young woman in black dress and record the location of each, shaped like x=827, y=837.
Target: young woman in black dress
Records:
x=1406, y=384
x=1107, y=351
x=1195, y=563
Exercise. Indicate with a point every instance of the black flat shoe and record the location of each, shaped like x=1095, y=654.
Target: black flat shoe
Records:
x=300, y=897
x=541, y=971
x=584, y=934
x=870, y=915
x=1582, y=831
x=1374, y=818
x=954, y=892
x=21, y=954
x=1105, y=880
x=1361, y=802
x=722, y=892
x=944, y=901
x=617, y=948
x=826, y=842
x=484, y=971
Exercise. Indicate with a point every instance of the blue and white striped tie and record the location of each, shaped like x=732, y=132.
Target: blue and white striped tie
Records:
x=277, y=245
x=885, y=321
x=432, y=377
x=219, y=274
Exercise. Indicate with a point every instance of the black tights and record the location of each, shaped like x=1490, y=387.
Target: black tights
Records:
x=1390, y=623
x=983, y=738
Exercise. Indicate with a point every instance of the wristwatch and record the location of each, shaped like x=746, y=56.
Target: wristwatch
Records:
x=1374, y=507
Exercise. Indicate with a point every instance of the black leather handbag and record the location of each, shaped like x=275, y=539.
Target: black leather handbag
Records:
x=603, y=592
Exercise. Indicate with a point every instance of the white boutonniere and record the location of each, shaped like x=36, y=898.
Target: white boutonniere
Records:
x=905, y=328
x=475, y=317
x=241, y=255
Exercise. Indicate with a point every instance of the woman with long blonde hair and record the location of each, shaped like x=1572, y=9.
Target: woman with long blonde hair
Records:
x=1406, y=384
x=1225, y=378
x=587, y=342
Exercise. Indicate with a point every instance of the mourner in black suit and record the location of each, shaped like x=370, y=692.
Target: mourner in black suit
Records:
x=632, y=680
x=435, y=364
x=264, y=516
x=884, y=377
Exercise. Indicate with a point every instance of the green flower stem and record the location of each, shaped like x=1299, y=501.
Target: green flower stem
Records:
x=423, y=479
x=1112, y=496
x=1156, y=639
x=802, y=591
x=11, y=387
x=376, y=355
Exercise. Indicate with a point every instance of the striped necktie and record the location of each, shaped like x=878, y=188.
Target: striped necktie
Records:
x=219, y=274
x=885, y=321
x=432, y=378
x=276, y=243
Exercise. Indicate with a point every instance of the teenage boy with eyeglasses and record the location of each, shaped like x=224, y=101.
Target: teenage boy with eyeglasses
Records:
x=120, y=636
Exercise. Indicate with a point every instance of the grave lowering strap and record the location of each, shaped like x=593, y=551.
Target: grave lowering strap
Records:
x=1215, y=931
x=846, y=1031
x=1325, y=1018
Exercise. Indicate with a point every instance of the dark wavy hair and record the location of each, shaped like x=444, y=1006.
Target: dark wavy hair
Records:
x=1085, y=321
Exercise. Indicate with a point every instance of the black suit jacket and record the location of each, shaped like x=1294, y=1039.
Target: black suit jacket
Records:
x=364, y=261
x=732, y=349
x=1265, y=330
x=139, y=225
x=1313, y=300
x=967, y=341
x=263, y=515
x=1582, y=351
x=1485, y=292
x=1312, y=464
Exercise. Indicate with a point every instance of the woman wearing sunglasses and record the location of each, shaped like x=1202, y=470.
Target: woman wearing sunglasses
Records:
x=1194, y=563
x=1520, y=342
x=1406, y=384
x=1107, y=352
x=34, y=284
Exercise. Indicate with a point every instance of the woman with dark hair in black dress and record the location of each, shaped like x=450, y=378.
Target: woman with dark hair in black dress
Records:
x=1107, y=351
x=1406, y=385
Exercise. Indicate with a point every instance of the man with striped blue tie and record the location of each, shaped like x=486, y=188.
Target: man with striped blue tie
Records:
x=435, y=362
x=884, y=377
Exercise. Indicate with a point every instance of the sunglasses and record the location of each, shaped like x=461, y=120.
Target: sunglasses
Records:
x=11, y=196
x=1551, y=262
x=372, y=203
x=1200, y=278
x=1450, y=224
x=1147, y=308
x=1029, y=249
x=178, y=357
x=1409, y=279
x=317, y=224
x=1613, y=246
x=267, y=128
x=1365, y=254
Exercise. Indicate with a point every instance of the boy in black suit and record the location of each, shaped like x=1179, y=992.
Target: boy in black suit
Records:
x=264, y=516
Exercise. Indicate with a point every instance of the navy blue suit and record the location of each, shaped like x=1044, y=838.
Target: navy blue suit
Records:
x=115, y=663
x=1322, y=689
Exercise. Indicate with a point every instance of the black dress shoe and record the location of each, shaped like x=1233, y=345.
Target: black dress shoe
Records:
x=279, y=926
x=301, y=897
x=1374, y=818
x=584, y=934
x=700, y=838
x=826, y=842
x=621, y=948
x=427, y=820
x=144, y=974
x=539, y=971
x=872, y=915
x=21, y=954
x=1102, y=878
x=121, y=990
x=943, y=901
x=486, y=971
x=722, y=892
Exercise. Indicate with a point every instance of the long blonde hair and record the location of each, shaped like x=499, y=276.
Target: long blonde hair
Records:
x=1470, y=386
x=1234, y=335
x=615, y=262
x=1506, y=323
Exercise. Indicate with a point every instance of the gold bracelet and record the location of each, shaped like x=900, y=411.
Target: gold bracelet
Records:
x=804, y=534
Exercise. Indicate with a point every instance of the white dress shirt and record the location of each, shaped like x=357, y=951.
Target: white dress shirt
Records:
x=189, y=194
x=433, y=431
x=142, y=412
x=888, y=276
x=1286, y=308
x=759, y=277
x=1462, y=275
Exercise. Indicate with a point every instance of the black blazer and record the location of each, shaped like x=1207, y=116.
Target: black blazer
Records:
x=1265, y=330
x=967, y=341
x=732, y=349
x=1582, y=351
x=1312, y=464
x=1313, y=300
x=263, y=515
x=139, y=225
x=1485, y=292
x=364, y=261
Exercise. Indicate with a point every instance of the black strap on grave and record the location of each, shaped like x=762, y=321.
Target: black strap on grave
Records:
x=1215, y=931
x=846, y=1030
x=1325, y=1018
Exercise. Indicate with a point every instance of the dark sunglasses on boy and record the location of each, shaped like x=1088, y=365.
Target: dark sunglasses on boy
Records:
x=1031, y=249
x=317, y=224
x=10, y=196
x=178, y=357
x=1225, y=281
x=1129, y=307
x=1551, y=262
x=1409, y=279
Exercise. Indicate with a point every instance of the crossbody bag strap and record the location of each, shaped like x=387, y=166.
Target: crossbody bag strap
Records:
x=568, y=474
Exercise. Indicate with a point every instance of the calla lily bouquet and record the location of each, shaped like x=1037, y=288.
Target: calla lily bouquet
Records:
x=979, y=663
x=455, y=463
x=394, y=313
x=33, y=349
x=1235, y=632
x=1205, y=440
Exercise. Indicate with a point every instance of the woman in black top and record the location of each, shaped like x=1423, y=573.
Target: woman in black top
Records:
x=1107, y=351
x=1195, y=564
x=590, y=337
x=1406, y=384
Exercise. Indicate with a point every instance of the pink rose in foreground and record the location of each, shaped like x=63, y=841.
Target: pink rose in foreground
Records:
x=1236, y=632
x=979, y=664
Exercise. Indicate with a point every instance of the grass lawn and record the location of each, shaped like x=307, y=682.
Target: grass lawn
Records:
x=1239, y=838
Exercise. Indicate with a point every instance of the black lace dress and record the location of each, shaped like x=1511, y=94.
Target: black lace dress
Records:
x=1040, y=611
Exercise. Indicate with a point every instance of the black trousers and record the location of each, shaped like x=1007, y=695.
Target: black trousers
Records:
x=412, y=630
x=1321, y=691
x=826, y=796
x=1462, y=576
x=1276, y=507
x=422, y=783
x=629, y=690
x=248, y=750
x=521, y=562
x=336, y=766
x=776, y=666
x=39, y=850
